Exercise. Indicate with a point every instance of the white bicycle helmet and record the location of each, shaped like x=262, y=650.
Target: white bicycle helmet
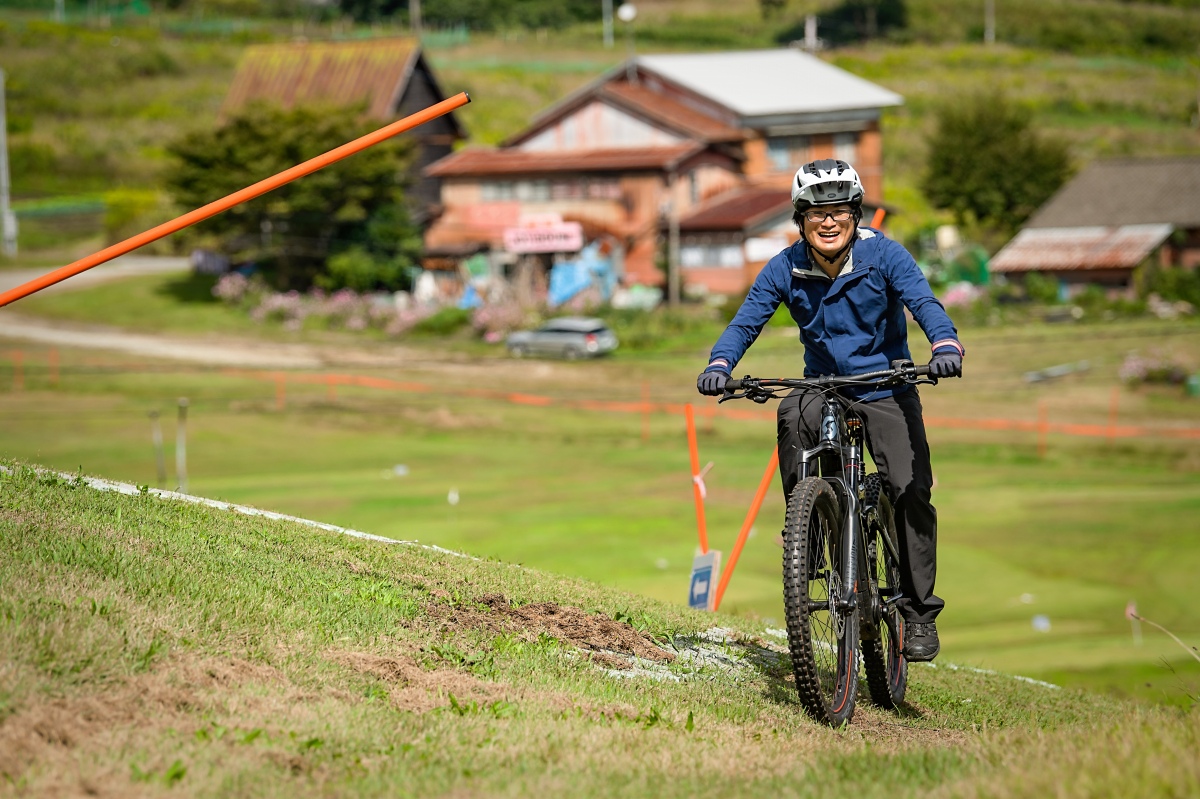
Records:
x=826, y=182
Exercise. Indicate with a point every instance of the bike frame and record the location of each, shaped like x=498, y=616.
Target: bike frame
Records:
x=843, y=438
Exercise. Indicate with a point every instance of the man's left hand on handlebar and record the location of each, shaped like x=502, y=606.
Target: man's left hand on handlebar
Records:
x=946, y=362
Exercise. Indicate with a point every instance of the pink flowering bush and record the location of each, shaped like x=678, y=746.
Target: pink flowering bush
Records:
x=493, y=322
x=1152, y=368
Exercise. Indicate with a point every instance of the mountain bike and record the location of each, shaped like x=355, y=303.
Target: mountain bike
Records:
x=841, y=561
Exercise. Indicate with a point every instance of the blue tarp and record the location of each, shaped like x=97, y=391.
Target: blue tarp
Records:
x=569, y=278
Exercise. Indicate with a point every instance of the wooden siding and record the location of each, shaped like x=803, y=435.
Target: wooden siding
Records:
x=599, y=126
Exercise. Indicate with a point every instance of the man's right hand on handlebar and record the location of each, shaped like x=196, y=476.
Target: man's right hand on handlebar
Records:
x=711, y=382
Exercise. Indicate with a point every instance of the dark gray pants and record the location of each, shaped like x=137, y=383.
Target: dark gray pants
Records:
x=896, y=440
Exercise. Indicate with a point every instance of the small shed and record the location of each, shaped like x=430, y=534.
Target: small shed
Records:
x=390, y=76
x=1111, y=219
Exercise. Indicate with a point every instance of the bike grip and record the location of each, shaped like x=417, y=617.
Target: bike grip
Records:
x=733, y=384
x=921, y=369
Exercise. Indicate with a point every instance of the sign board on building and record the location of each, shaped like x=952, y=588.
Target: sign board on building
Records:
x=560, y=237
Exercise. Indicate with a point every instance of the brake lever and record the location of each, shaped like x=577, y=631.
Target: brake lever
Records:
x=727, y=397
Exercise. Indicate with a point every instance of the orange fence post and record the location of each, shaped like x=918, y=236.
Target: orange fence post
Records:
x=280, y=391
x=1042, y=429
x=18, y=358
x=645, y=411
x=54, y=367
x=1112, y=413
x=877, y=219
x=751, y=515
x=238, y=197
x=697, y=491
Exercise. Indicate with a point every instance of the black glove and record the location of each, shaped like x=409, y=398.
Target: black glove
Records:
x=946, y=362
x=711, y=382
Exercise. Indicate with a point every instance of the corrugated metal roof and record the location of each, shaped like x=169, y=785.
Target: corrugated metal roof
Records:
x=738, y=209
x=487, y=162
x=770, y=82
x=326, y=73
x=1127, y=191
x=1079, y=248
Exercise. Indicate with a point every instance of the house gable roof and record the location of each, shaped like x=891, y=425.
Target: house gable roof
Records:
x=1127, y=191
x=770, y=83
x=326, y=73
x=650, y=106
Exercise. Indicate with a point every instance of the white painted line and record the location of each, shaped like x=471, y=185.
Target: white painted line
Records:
x=132, y=490
x=990, y=672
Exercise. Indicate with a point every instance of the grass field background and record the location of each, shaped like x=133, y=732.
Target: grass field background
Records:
x=1072, y=536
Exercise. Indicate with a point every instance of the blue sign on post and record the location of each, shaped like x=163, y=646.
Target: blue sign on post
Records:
x=703, y=589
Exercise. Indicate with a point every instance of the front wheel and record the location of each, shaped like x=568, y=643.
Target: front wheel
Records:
x=822, y=637
x=883, y=644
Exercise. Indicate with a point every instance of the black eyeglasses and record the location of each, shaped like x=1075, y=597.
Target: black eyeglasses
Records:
x=819, y=216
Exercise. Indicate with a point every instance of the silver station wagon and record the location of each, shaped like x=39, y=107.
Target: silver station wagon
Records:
x=569, y=337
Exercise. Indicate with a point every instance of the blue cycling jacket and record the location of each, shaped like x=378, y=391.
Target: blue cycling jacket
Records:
x=851, y=324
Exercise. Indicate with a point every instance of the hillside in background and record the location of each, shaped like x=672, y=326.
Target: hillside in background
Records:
x=150, y=644
x=92, y=104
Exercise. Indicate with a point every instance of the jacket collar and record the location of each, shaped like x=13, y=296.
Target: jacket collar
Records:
x=802, y=267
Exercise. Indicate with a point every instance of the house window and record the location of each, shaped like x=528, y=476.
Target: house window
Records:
x=705, y=254
x=532, y=191
x=845, y=147
x=497, y=190
x=788, y=153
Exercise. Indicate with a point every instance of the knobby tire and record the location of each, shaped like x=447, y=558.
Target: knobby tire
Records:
x=883, y=651
x=825, y=663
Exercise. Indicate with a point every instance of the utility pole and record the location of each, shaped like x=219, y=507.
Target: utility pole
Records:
x=60, y=11
x=989, y=22
x=181, y=446
x=157, y=437
x=627, y=13
x=673, y=276
x=607, y=13
x=414, y=17
x=8, y=220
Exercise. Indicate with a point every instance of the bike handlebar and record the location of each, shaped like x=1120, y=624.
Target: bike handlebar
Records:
x=882, y=376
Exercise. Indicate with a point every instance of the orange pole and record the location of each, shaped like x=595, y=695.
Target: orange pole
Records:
x=238, y=197
x=332, y=380
x=751, y=515
x=877, y=219
x=54, y=368
x=695, y=452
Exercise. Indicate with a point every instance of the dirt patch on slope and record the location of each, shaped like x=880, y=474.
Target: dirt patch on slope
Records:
x=591, y=632
x=417, y=689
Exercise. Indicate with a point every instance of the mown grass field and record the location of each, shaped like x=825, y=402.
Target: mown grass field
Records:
x=151, y=647
x=1078, y=533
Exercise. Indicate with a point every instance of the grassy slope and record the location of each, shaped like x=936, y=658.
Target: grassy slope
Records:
x=149, y=644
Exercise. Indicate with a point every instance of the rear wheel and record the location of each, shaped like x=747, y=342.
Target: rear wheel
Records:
x=883, y=643
x=823, y=640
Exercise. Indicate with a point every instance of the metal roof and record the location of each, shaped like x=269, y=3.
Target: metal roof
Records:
x=330, y=73
x=1127, y=191
x=757, y=83
x=739, y=209
x=1079, y=248
x=485, y=162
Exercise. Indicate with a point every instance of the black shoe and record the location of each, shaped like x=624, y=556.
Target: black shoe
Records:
x=921, y=643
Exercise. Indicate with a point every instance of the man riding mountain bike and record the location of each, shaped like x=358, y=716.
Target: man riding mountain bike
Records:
x=846, y=288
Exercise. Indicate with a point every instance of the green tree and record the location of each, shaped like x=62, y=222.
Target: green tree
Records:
x=987, y=164
x=294, y=232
